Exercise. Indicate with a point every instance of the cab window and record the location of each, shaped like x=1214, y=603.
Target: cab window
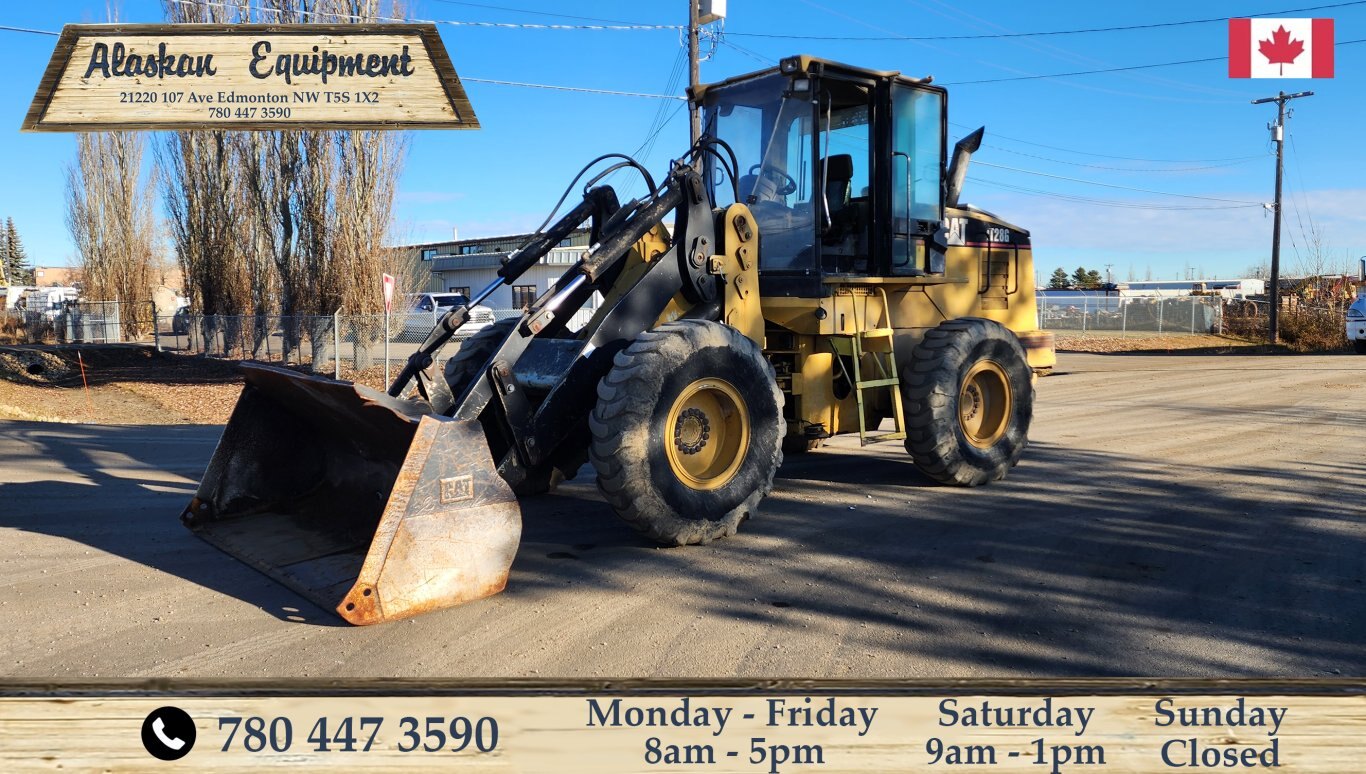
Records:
x=917, y=158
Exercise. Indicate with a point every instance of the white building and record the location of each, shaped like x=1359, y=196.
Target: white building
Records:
x=469, y=265
x=1230, y=288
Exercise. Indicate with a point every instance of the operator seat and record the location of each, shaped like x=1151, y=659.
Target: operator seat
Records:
x=747, y=184
x=845, y=217
x=839, y=173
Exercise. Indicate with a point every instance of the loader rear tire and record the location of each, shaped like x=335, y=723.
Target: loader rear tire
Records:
x=969, y=401
x=687, y=432
x=1359, y=346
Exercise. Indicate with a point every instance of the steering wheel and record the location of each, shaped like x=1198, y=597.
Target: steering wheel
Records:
x=789, y=184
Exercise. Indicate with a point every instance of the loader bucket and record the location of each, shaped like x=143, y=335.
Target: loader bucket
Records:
x=356, y=500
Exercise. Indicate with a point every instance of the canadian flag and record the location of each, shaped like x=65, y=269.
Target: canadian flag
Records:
x=1280, y=48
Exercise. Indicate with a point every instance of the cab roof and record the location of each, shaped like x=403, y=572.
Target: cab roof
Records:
x=802, y=64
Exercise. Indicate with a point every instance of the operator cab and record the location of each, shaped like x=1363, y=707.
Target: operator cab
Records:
x=842, y=167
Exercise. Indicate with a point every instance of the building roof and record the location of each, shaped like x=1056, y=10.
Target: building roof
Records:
x=477, y=241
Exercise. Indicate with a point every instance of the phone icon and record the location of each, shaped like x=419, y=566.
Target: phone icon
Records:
x=159, y=728
x=168, y=733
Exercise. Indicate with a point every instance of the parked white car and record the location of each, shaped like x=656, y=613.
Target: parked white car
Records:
x=1356, y=317
x=426, y=309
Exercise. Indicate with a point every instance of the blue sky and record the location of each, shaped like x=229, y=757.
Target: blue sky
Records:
x=1174, y=130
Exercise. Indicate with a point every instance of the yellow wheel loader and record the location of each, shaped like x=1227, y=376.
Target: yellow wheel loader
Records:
x=820, y=277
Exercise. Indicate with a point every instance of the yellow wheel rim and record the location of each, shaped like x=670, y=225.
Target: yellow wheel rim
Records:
x=707, y=434
x=984, y=404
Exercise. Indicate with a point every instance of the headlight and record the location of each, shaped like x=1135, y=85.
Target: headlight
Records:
x=1355, y=314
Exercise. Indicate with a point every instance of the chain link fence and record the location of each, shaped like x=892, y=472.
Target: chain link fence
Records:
x=356, y=347
x=1122, y=314
x=87, y=322
x=337, y=345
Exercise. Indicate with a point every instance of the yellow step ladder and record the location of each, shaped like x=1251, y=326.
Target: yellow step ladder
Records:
x=876, y=343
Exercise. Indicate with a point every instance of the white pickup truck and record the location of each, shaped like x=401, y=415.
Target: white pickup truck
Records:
x=1356, y=316
x=425, y=309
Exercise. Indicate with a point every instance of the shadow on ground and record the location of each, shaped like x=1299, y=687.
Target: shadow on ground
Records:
x=1081, y=563
x=124, y=491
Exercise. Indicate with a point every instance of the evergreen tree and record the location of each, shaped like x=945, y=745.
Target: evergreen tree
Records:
x=1059, y=279
x=1093, y=278
x=15, y=257
x=1081, y=278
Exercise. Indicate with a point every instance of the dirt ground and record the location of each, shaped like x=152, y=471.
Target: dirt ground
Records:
x=1109, y=342
x=117, y=385
x=123, y=385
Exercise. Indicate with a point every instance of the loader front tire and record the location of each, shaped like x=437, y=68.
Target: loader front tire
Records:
x=969, y=401
x=467, y=364
x=687, y=432
x=468, y=361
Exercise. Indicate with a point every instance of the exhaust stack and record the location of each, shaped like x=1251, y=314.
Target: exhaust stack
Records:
x=958, y=168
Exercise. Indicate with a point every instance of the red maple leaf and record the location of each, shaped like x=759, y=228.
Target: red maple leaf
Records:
x=1281, y=49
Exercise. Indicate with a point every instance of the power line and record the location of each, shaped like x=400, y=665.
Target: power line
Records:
x=755, y=55
x=1112, y=185
x=1105, y=156
x=1128, y=169
x=25, y=29
x=449, y=22
x=1112, y=69
x=582, y=89
x=956, y=13
x=991, y=36
x=1088, y=72
x=661, y=119
x=535, y=13
x=648, y=146
x=1313, y=234
x=1110, y=202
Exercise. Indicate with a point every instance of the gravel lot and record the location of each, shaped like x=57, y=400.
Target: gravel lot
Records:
x=1175, y=515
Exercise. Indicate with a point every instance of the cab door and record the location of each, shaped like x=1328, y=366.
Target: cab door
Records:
x=917, y=161
x=846, y=165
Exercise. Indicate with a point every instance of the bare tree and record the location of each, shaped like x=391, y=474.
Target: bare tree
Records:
x=367, y=180
x=271, y=165
x=208, y=208
x=109, y=213
x=298, y=221
x=205, y=203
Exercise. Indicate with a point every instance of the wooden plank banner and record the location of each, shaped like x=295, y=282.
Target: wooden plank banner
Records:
x=528, y=727
x=106, y=77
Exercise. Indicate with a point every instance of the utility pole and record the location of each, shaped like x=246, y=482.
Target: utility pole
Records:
x=694, y=71
x=1277, y=136
x=700, y=12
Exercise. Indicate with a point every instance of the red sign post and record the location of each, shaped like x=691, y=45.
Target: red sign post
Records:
x=387, y=281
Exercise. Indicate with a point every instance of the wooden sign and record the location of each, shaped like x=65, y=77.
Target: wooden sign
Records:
x=249, y=76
